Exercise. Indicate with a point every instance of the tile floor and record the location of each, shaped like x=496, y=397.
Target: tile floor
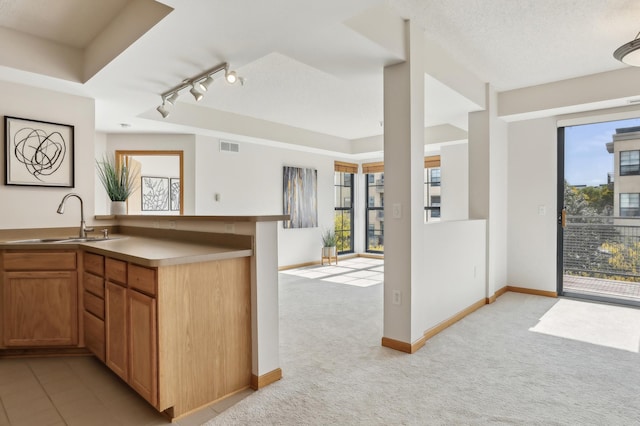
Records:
x=80, y=391
x=358, y=271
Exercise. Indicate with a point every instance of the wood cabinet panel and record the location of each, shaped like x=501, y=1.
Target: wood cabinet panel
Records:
x=116, y=270
x=143, y=359
x=94, y=304
x=94, y=263
x=143, y=279
x=40, y=309
x=116, y=329
x=40, y=261
x=93, y=284
x=94, y=335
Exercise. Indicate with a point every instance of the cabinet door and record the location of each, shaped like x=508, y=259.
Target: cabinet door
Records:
x=116, y=328
x=143, y=359
x=40, y=309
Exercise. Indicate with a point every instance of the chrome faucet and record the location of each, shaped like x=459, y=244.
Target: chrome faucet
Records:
x=83, y=226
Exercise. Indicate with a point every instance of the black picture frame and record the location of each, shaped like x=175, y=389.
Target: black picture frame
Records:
x=39, y=153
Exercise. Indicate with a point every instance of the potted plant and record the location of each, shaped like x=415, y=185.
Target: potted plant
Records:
x=119, y=182
x=329, y=245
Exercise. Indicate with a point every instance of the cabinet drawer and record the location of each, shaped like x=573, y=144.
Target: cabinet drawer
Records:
x=40, y=261
x=116, y=270
x=93, y=284
x=143, y=279
x=94, y=263
x=94, y=335
x=94, y=304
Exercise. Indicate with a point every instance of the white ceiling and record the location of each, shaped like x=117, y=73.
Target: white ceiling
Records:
x=304, y=67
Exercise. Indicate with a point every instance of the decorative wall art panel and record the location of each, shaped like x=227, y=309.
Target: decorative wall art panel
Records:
x=300, y=197
x=38, y=153
x=174, y=189
x=155, y=193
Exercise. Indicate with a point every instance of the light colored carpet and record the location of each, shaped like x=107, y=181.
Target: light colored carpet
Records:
x=489, y=368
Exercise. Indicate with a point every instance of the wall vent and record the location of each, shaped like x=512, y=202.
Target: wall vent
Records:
x=229, y=146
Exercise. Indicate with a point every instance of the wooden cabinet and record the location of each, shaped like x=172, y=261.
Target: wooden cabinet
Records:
x=143, y=358
x=131, y=332
x=116, y=329
x=39, y=299
x=94, y=304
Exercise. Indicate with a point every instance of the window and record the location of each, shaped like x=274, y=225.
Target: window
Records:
x=629, y=163
x=629, y=205
x=375, y=212
x=343, y=190
x=432, y=190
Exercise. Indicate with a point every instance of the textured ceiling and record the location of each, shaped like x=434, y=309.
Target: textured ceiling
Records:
x=306, y=68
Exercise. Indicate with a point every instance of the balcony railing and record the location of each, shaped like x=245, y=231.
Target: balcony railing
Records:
x=602, y=247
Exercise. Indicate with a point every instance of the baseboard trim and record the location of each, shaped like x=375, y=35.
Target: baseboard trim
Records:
x=498, y=293
x=265, y=379
x=454, y=319
x=405, y=347
x=532, y=291
x=299, y=265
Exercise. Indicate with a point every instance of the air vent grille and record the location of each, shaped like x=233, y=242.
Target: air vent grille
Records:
x=227, y=146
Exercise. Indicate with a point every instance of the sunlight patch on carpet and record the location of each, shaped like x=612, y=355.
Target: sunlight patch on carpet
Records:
x=605, y=325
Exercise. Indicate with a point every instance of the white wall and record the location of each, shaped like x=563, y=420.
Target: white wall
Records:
x=454, y=270
x=250, y=183
x=454, y=169
x=160, y=142
x=532, y=177
x=35, y=207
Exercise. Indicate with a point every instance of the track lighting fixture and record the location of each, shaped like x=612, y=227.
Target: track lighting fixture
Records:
x=204, y=84
x=199, y=84
x=230, y=76
x=629, y=53
x=197, y=95
x=162, y=109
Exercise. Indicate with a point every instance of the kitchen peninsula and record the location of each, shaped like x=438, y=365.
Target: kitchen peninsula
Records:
x=183, y=308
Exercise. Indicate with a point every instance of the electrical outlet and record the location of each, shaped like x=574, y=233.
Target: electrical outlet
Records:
x=172, y=224
x=396, y=297
x=229, y=228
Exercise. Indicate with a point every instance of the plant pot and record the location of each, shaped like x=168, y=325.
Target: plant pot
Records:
x=118, y=207
x=329, y=251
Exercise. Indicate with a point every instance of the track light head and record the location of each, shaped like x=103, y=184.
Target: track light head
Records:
x=204, y=84
x=231, y=76
x=196, y=93
x=162, y=109
x=173, y=98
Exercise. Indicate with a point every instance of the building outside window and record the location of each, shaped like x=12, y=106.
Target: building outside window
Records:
x=343, y=190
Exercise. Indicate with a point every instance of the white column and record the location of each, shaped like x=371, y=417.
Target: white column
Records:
x=488, y=186
x=403, y=189
x=264, y=303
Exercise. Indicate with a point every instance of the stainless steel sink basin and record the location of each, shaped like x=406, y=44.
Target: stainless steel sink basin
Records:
x=61, y=240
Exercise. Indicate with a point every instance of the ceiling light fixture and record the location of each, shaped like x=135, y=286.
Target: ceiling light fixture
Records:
x=199, y=84
x=197, y=95
x=629, y=53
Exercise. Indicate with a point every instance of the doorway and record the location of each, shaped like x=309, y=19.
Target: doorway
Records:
x=599, y=211
x=161, y=181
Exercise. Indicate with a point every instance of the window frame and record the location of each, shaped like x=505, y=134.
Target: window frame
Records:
x=369, y=183
x=630, y=210
x=632, y=166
